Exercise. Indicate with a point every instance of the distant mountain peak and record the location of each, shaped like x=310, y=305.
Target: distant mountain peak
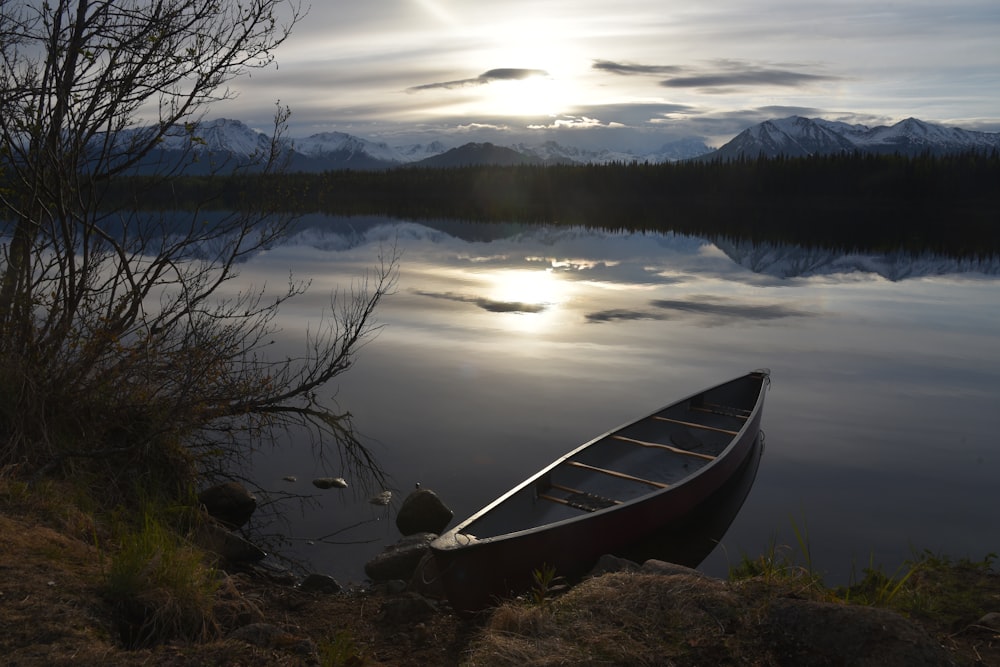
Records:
x=232, y=141
x=797, y=136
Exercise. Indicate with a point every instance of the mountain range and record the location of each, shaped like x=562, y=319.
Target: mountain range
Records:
x=801, y=137
x=232, y=141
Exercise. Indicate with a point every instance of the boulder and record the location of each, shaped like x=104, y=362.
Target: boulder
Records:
x=610, y=563
x=653, y=566
x=423, y=512
x=399, y=560
x=229, y=503
x=991, y=621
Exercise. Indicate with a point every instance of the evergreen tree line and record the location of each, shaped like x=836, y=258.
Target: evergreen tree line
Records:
x=944, y=204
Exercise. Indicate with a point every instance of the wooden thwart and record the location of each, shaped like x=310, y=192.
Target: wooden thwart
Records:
x=569, y=489
x=671, y=448
x=620, y=475
x=717, y=409
x=694, y=425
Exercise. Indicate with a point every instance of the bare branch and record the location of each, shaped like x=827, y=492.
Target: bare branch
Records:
x=118, y=340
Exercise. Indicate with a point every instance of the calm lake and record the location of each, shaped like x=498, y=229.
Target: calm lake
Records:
x=505, y=346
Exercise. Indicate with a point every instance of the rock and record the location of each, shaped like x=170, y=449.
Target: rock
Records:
x=290, y=478
x=320, y=583
x=229, y=503
x=399, y=560
x=381, y=499
x=991, y=621
x=395, y=586
x=609, y=563
x=423, y=512
x=224, y=543
x=803, y=632
x=330, y=483
x=407, y=608
x=654, y=566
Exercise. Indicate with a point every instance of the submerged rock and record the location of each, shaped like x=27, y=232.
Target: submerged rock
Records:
x=423, y=512
x=383, y=498
x=330, y=483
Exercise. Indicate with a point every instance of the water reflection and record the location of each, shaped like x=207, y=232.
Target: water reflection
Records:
x=506, y=346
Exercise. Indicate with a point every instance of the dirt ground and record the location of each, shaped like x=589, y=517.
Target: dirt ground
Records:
x=52, y=612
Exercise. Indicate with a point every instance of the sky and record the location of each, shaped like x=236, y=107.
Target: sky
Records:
x=629, y=74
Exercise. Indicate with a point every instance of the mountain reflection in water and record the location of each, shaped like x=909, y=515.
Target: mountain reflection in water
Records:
x=506, y=346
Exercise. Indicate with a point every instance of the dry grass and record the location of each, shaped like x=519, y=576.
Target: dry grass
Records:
x=618, y=619
x=687, y=619
x=55, y=610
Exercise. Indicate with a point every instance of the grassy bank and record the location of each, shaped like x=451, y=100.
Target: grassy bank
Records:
x=81, y=586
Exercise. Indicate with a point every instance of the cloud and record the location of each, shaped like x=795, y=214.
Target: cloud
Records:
x=721, y=74
x=741, y=74
x=628, y=69
x=751, y=77
x=491, y=305
x=619, y=314
x=727, y=309
x=500, y=74
x=717, y=310
x=570, y=122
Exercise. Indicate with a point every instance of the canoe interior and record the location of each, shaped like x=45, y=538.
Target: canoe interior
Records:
x=657, y=452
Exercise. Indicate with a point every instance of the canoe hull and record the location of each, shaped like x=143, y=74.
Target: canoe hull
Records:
x=477, y=572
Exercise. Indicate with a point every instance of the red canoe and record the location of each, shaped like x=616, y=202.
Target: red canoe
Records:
x=603, y=496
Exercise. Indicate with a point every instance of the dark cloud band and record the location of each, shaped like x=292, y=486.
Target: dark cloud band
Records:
x=499, y=74
x=628, y=69
x=491, y=305
x=761, y=77
x=721, y=74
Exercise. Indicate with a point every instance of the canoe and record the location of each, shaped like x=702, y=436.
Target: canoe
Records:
x=603, y=496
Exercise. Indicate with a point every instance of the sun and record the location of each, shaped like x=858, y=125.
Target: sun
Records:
x=534, y=96
x=536, y=47
x=530, y=301
x=530, y=287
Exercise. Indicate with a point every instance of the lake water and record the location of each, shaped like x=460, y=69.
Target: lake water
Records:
x=505, y=346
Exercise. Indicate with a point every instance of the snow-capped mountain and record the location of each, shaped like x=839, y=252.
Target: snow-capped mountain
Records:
x=552, y=152
x=216, y=136
x=799, y=137
x=235, y=141
x=334, y=143
x=787, y=261
x=228, y=141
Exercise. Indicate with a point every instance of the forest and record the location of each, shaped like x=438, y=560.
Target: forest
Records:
x=943, y=204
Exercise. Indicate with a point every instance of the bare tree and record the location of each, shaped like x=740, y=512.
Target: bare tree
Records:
x=117, y=346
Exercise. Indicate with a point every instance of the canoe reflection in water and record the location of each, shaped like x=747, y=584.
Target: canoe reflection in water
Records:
x=617, y=494
x=690, y=540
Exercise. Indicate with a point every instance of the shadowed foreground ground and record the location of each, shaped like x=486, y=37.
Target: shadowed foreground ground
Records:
x=53, y=611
